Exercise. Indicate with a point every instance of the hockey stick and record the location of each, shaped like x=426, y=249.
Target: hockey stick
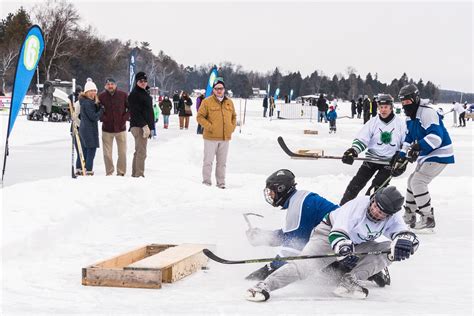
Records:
x=292, y=154
x=214, y=257
x=245, y=215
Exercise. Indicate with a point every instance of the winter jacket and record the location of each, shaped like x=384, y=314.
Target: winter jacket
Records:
x=218, y=118
x=89, y=128
x=182, y=106
x=265, y=102
x=166, y=107
x=359, y=106
x=366, y=106
x=116, y=112
x=332, y=115
x=353, y=107
x=322, y=105
x=140, y=104
x=198, y=102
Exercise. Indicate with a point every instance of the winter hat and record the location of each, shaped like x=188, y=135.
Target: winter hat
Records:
x=109, y=80
x=331, y=107
x=140, y=75
x=90, y=85
x=217, y=81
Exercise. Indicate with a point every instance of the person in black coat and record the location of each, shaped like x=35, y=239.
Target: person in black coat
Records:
x=184, y=110
x=366, y=108
x=175, y=102
x=353, y=108
x=359, y=107
x=265, y=106
x=142, y=122
x=322, y=108
x=373, y=110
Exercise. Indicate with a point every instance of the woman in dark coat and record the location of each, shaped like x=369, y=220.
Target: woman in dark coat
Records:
x=90, y=113
x=184, y=110
x=166, y=107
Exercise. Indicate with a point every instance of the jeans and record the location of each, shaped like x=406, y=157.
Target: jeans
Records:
x=89, y=155
x=166, y=119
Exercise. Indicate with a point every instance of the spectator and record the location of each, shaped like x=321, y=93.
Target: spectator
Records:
x=175, y=102
x=359, y=107
x=322, y=108
x=217, y=116
x=353, y=108
x=184, y=110
x=272, y=106
x=198, y=105
x=141, y=122
x=366, y=108
x=166, y=107
x=91, y=111
x=332, y=116
x=265, y=106
x=373, y=110
x=114, y=122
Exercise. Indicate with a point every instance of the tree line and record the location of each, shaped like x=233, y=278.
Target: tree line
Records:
x=72, y=51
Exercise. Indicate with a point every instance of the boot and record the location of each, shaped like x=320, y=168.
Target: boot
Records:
x=349, y=287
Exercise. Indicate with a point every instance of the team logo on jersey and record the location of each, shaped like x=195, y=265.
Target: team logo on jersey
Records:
x=386, y=138
x=371, y=235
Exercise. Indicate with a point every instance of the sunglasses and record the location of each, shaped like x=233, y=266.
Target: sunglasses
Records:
x=219, y=89
x=142, y=80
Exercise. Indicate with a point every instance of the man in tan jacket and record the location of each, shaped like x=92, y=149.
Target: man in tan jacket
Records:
x=218, y=118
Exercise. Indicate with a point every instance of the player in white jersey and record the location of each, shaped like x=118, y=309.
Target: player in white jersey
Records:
x=382, y=136
x=350, y=229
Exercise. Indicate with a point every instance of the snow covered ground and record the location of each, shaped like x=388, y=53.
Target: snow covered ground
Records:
x=53, y=225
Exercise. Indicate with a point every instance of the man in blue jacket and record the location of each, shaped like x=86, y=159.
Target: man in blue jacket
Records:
x=304, y=211
x=428, y=143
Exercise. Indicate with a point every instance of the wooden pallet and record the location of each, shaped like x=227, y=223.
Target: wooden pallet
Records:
x=310, y=132
x=147, y=267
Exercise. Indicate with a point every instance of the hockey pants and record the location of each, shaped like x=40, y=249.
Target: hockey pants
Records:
x=318, y=244
x=417, y=197
x=366, y=171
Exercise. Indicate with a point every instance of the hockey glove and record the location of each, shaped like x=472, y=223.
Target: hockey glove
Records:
x=397, y=164
x=413, y=152
x=345, y=250
x=349, y=155
x=403, y=245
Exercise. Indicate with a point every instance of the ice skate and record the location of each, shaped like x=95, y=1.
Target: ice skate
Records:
x=349, y=287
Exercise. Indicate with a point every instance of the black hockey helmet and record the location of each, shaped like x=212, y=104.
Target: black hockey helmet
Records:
x=385, y=99
x=282, y=184
x=389, y=200
x=409, y=92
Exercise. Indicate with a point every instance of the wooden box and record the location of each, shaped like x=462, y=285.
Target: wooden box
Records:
x=147, y=267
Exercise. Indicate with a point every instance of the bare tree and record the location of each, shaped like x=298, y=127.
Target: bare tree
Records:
x=7, y=57
x=58, y=19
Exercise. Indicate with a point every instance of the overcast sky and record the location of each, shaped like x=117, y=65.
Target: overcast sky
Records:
x=428, y=39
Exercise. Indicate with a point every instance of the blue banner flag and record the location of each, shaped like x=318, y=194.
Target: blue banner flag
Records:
x=212, y=77
x=132, y=66
x=291, y=95
x=268, y=89
x=28, y=58
x=277, y=93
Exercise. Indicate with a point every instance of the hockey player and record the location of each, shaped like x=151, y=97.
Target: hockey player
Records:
x=349, y=229
x=382, y=136
x=304, y=211
x=427, y=142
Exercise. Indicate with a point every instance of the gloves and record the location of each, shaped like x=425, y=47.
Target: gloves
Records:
x=345, y=250
x=348, y=157
x=146, y=131
x=397, y=164
x=403, y=245
x=413, y=152
x=260, y=237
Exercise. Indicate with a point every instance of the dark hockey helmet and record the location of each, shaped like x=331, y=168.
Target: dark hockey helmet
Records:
x=386, y=202
x=385, y=99
x=279, y=186
x=409, y=92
